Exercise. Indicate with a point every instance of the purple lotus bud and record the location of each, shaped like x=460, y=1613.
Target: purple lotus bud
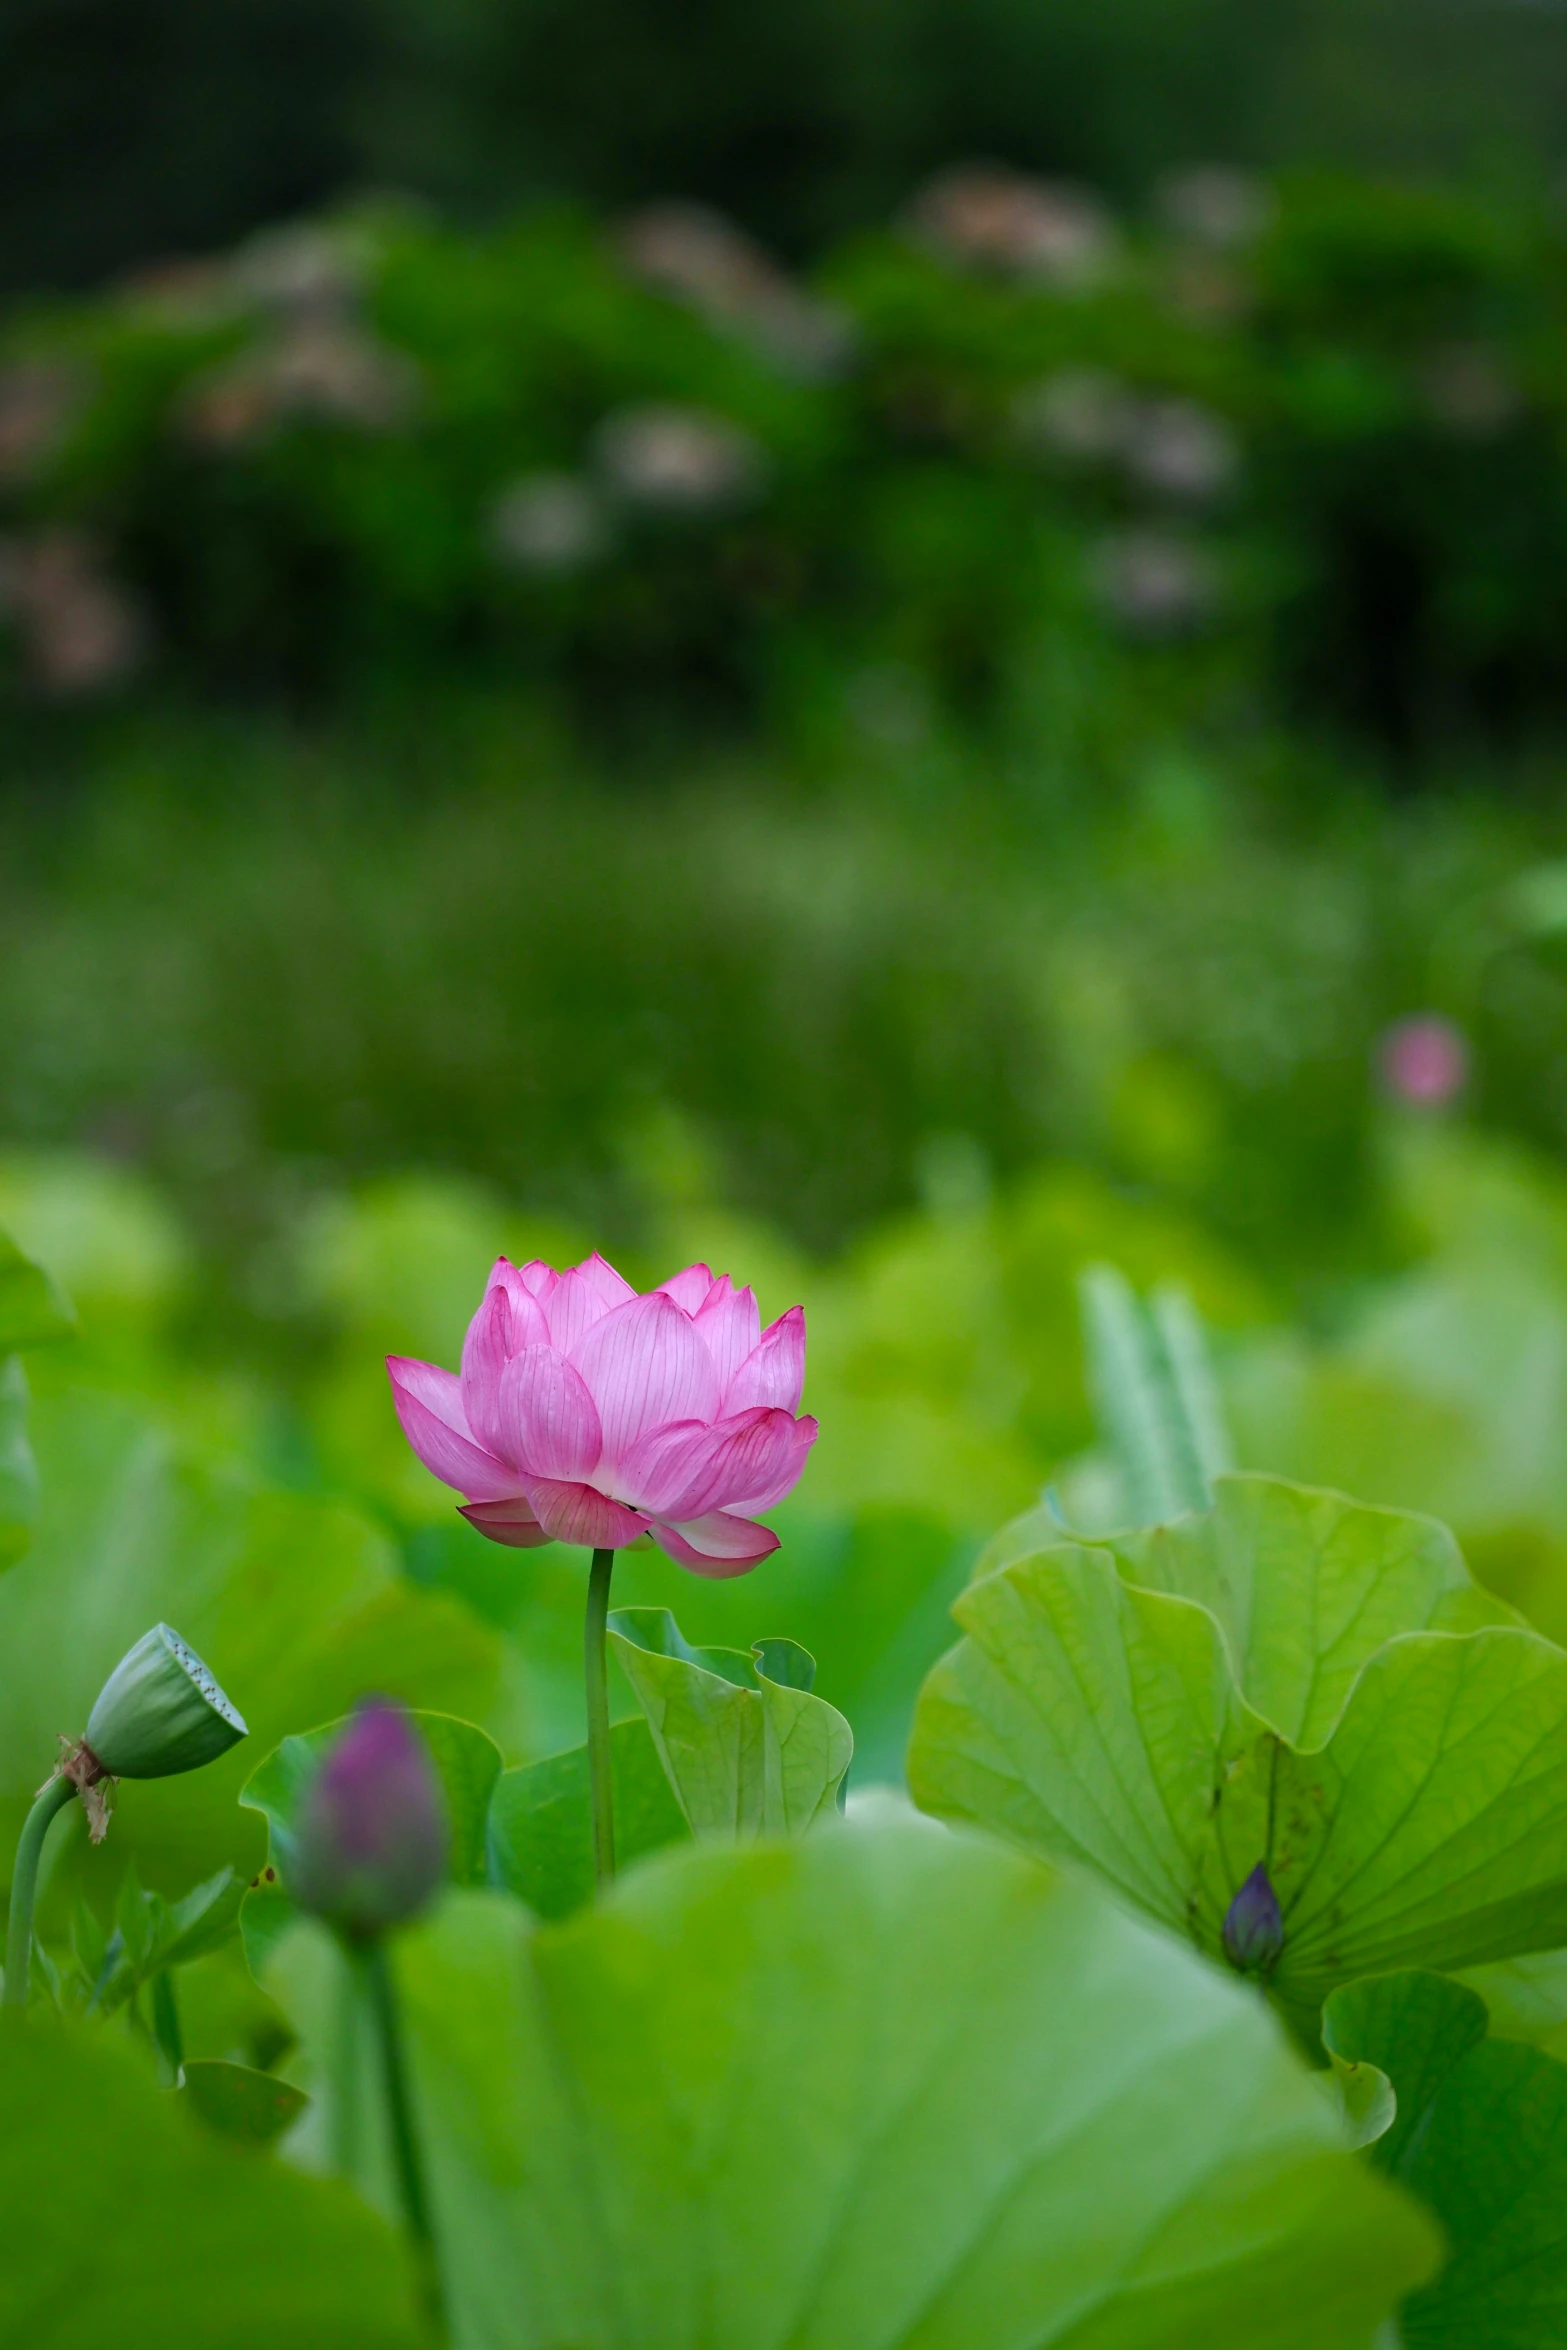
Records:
x=1254, y=1925
x=371, y=1845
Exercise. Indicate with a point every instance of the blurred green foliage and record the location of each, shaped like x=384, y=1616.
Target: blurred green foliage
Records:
x=1296, y=454
x=174, y=126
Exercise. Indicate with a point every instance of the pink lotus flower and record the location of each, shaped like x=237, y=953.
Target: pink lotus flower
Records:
x=586, y=1413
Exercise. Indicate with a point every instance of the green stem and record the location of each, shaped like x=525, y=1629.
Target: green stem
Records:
x=24, y=1889
x=399, y=2114
x=595, y=1670
x=166, y=2025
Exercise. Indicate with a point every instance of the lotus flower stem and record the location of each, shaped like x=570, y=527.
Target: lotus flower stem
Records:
x=399, y=2113
x=595, y=1667
x=24, y=1887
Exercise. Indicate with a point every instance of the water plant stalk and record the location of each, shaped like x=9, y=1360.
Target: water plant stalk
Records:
x=377, y=1972
x=24, y=1888
x=596, y=1675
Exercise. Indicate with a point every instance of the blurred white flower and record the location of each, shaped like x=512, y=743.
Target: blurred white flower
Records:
x=1181, y=450
x=550, y=524
x=700, y=259
x=1171, y=446
x=301, y=267
x=677, y=460
x=985, y=216
x=315, y=367
x=1154, y=583
x=81, y=632
x=1080, y=412
x=39, y=401
x=1213, y=204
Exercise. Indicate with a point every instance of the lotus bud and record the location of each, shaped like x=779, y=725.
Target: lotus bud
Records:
x=1254, y=1925
x=371, y=1844
x=160, y=1712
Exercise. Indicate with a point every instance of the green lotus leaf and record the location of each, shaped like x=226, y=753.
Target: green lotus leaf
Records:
x=1526, y=1998
x=1142, y=1728
x=745, y=1754
x=541, y=1820
x=18, y=1467
x=32, y=1310
x=1306, y=1587
x=297, y=1604
x=181, y=2239
x=1480, y=2136
x=878, y=2087
x=245, y=2106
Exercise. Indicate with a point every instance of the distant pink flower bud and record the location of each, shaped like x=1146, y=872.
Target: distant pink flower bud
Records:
x=371, y=1845
x=585, y=1413
x=1424, y=1060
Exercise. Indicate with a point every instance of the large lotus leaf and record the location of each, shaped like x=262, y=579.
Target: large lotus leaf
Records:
x=1481, y=2136
x=1091, y=1720
x=18, y=1467
x=296, y=1604
x=123, y=2221
x=32, y=1311
x=879, y=2087
x=745, y=1754
x=1526, y=1998
x=1306, y=1587
x=541, y=1820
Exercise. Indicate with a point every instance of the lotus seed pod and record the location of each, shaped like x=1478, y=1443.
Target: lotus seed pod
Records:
x=160, y=1712
x=370, y=1849
x=1254, y=1925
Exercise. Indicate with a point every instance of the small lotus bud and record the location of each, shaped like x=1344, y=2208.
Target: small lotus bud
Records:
x=371, y=1844
x=159, y=1712
x=1254, y=1925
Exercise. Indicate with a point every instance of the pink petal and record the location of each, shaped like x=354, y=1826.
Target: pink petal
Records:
x=509, y=1319
x=576, y=1513
x=548, y=1423
x=689, y=1289
x=684, y=1471
x=603, y=1279
x=717, y=1546
x=511, y=1522
x=774, y=1371
x=664, y=1465
x=645, y=1365
x=429, y=1406
x=538, y=1279
x=731, y=1328
x=581, y=1297
x=760, y=1461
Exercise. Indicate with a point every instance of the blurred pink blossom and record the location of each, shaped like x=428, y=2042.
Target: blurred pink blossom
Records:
x=1424, y=1060
x=679, y=461
x=81, y=631
x=700, y=259
x=585, y=1413
x=39, y=402
x=985, y=216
